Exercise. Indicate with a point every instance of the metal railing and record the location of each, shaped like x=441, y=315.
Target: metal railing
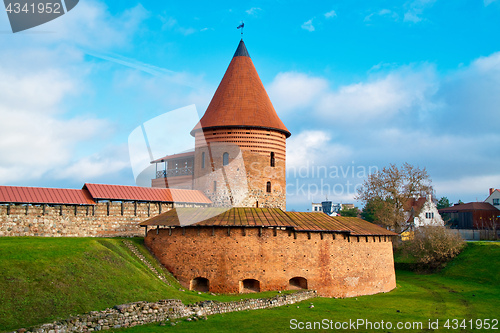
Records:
x=187, y=171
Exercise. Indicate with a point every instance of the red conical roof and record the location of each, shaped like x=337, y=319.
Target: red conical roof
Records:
x=240, y=99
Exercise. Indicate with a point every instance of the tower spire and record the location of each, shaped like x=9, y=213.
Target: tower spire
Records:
x=241, y=99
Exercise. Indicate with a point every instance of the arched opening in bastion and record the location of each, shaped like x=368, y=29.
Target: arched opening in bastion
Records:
x=199, y=284
x=297, y=283
x=249, y=286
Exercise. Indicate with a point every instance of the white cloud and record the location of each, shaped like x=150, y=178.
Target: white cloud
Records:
x=308, y=25
x=314, y=146
x=489, y=63
x=91, y=25
x=412, y=17
x=382, y=12
x=331, y=14
x=380, y=98
x=468, y=186
x=39, y=91
x=488, y=2
x=46, y=77
x=416, y=9
x=294, y=90
x=400, y=114
x=34, y=139
x=170, y=23
x=253, y=11
x=102, y=164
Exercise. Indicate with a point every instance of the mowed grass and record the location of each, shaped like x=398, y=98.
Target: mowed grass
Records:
x=468, y=288
x=44, y=279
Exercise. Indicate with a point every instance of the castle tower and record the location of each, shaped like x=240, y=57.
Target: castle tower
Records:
x=240, y=142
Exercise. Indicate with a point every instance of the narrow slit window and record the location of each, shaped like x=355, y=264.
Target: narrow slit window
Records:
x=268, y=187
x=272, y=159
x=225, y=159
x=203, y=160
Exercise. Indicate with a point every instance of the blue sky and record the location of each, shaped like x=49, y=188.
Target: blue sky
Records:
x=359, y=84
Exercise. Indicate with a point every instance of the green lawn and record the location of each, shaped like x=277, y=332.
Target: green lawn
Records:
x=43, y=279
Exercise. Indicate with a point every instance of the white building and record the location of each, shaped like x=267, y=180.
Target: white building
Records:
x=423, y=212
x=330, y=208
x=494, y=198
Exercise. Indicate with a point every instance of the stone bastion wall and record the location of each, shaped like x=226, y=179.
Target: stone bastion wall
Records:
x=237, y=259
x=105, y=219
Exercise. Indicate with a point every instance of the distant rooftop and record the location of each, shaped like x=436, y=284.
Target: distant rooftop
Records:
x=470, y=206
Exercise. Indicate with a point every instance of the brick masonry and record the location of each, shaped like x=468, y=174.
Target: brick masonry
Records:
x=334, y=265
x=249, y=170
x=106, y=219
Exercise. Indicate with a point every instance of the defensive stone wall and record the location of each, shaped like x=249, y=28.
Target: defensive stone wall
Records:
x=140, y=313
x=237, y=259
x=105, y=219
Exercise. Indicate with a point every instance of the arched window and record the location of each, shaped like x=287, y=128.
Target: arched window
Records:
x=268, y=187
x=225, y=159
x=272, y=159
x=249, y=286
x=199, y=284
x=203, y=160
x=297, y=283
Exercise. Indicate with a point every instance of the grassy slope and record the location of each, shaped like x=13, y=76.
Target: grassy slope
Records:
x=44, y=279
x=467, y=288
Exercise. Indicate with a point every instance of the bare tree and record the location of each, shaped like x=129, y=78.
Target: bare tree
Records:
x=389, y=191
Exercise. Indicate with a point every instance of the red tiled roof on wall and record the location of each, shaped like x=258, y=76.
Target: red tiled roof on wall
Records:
x=41, y=195
x=136, y=193
x=91, y=192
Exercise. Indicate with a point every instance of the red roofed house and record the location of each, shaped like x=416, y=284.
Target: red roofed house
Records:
x=423, y=212
x=473, y=215
x=494, y=198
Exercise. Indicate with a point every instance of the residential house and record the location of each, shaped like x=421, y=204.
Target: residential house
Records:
x=494, y=198
x=422, y=211
x=472, y=215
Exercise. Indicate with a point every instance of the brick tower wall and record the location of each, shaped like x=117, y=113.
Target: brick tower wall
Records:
x=249, y=168
x=334, y=266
